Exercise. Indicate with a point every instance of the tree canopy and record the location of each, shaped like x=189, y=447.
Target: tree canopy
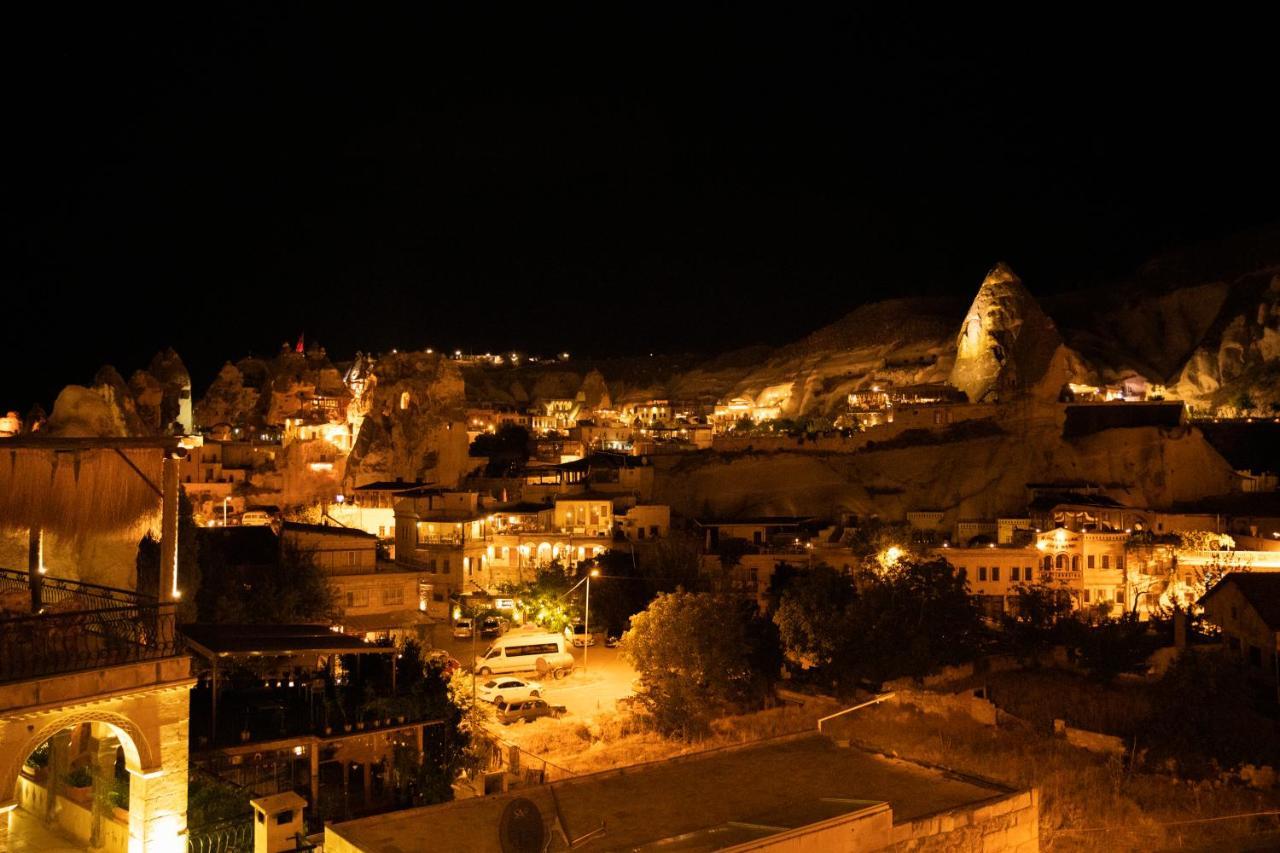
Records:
x=700, y=655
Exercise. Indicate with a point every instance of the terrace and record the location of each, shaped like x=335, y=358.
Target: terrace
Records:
x=52, y=626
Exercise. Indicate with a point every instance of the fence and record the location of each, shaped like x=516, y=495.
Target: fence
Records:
x=56, y=643
x=227, y=836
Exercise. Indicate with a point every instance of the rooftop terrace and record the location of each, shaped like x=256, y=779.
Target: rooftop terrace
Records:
x=707, y=800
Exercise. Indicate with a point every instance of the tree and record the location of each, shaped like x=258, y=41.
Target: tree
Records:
x=1111, y=646
x=509, y=444
x=913, y=618
x=543, y=599
x=1204, y=713
x=881, y=624
x=816, y=617
x=1032, y=624
x=291, y=588
x=700, y=655
x=1245, y=403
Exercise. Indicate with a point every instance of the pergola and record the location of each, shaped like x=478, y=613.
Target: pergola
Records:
x=75, y=487
x=236, y=643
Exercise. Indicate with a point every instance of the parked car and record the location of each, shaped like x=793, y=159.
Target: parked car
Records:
x=612, y=641
x=446, y=661
x=508, y=689
x=577, y=634
x=490, y=626
x=462, y=628
x=529, y=710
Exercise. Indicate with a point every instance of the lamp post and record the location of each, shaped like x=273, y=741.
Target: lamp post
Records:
x=224, y=510
x=586, y=619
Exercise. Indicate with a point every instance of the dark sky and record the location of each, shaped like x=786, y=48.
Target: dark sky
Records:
x=607, y=183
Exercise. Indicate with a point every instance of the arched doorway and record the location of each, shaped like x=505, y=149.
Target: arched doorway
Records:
x=72, y=788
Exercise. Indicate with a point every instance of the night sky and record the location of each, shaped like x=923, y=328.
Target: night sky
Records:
x=607, y=183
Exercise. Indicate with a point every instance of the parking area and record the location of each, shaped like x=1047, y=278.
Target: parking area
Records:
x=600, y=676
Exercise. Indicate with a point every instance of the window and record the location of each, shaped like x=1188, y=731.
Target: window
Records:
x=1233, y=643
x=1119, y=595
x=1255, y=656
x=653, y=531
x=532, y=649
x=1013, y=573
x=358, y=598
x=995, y=573
x=982, y=573
x=1106, y=561
x=393, y=596
x=1090, y=561
x=1086, y=596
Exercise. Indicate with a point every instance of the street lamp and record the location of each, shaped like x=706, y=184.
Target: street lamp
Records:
x=224, y=510
x=586, y=619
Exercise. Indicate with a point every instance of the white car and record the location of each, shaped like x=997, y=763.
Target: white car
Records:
x=507, y=689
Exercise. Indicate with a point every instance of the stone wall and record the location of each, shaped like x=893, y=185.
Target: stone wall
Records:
x=1006, y=823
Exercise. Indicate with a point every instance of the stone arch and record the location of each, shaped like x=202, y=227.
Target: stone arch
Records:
x=544, y=552
x=1061, y=561
x=139, y=753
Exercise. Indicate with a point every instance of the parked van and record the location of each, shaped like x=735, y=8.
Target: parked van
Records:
x=255, y=518
x=522, y=651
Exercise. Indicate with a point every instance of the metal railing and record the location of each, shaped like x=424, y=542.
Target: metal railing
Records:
x=81, y=626
x=227, y=836
x=64, y=595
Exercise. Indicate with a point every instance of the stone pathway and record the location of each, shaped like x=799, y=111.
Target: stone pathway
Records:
x=28, y=834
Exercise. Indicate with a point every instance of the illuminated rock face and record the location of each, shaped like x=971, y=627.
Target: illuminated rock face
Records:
x=415, y=428
x=230, y=399
x=1007, y=344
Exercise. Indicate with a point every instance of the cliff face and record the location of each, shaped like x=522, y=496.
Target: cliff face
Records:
x=415, y=428
x=1238, y=358
x=976, y=478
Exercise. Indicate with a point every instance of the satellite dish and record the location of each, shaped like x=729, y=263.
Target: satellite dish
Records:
x=521, y=829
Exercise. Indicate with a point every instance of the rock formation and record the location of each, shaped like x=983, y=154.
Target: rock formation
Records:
x=416, y=425
x=230, y=399
x=1006, y=343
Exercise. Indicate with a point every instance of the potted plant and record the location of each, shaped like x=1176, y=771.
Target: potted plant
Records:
x=79, y=784
x=37, y=763
x=118, y=797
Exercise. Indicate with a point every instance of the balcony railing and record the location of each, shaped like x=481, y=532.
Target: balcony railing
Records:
x=81, y=626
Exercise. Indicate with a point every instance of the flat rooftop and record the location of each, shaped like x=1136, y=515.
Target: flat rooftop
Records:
x=770, y=787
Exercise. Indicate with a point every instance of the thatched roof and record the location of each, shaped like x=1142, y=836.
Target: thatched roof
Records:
x=80, y=486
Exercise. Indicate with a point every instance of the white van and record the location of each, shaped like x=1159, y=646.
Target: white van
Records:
x=522, y=651
x=255, y=518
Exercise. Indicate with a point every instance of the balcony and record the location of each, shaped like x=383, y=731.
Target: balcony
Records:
x=79, y=626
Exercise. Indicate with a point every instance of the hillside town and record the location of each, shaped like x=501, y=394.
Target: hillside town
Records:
x=439, y=428
x=237, y=578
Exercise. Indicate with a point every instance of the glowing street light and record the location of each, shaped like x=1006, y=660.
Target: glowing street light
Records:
x=586, y=619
